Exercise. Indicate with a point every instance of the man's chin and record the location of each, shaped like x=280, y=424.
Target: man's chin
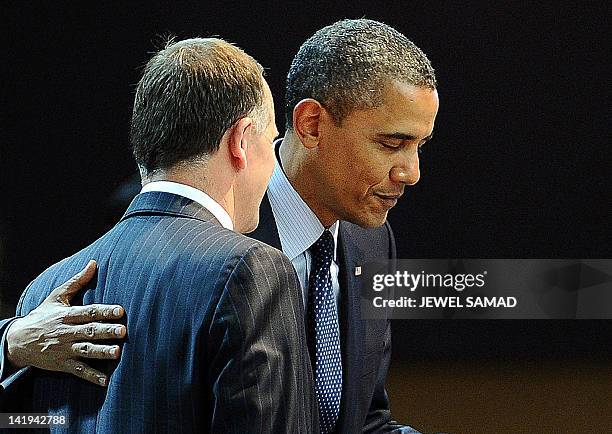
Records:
x=370, y=220
x=248, y=228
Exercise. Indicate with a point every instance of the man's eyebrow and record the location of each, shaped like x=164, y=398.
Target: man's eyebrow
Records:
x=402, y=136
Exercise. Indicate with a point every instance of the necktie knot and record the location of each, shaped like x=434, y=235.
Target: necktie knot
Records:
x=323, y=250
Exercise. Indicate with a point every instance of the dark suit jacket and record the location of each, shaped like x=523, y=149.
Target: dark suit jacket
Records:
x=216, y=338
x=366, y=344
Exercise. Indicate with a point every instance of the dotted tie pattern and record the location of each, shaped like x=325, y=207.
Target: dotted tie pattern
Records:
x=324, y=333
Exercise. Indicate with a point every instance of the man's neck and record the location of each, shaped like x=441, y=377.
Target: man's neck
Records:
x=217, y=191
x=293, y=160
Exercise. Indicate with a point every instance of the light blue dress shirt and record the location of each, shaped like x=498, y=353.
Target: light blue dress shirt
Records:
x=298, y=229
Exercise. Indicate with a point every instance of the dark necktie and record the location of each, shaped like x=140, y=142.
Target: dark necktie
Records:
x=324, y=334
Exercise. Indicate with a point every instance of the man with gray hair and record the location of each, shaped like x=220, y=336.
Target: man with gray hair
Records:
x=361, y=100
x=216, y=339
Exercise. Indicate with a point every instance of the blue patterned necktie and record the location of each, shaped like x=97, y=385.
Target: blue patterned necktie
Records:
x=324, y=335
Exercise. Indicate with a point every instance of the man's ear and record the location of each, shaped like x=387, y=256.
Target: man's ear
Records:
x=307, y=116
x=239, y=138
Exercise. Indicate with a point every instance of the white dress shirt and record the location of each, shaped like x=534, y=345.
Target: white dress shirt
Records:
x=298, y=229
x=194, y=194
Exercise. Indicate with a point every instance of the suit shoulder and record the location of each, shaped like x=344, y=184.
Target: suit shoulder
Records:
x=265, y=255
x=235, y=252
x=373, y=242
x=381, y=234
x=264, y=276
x=247, y=246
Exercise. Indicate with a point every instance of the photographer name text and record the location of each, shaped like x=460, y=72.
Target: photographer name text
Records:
x=445, y=302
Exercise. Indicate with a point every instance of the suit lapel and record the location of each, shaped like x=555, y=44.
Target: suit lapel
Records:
x=351, y=327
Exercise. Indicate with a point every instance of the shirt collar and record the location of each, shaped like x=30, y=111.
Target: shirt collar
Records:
x=194, y=194
x=298, y=227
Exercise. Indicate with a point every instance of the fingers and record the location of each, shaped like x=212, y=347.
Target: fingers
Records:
x=85, y=275
x=81, y=370
x=98, y=331
x=93, y=312
x=92, y=351
x=68, y=289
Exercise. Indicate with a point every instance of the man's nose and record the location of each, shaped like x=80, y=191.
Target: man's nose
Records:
x=407, y=172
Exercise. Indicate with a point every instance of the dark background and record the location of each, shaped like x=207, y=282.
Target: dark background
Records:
x=519, y=168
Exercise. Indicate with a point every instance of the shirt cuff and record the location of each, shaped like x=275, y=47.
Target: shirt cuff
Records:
x=8, y=374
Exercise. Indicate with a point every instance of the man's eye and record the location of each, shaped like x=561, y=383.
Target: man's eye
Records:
x=389, y=146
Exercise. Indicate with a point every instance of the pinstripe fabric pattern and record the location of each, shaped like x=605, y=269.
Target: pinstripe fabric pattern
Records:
x=216, y=339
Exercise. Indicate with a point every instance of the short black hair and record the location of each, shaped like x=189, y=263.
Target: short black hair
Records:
x=190, y=93
x=345, y=66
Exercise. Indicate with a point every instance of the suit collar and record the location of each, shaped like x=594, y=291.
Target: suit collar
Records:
x=194, y=194
x=162, y=203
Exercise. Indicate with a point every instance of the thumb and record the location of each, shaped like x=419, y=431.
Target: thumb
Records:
x=67, y=290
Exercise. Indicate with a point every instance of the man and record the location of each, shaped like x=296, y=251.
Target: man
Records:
x=216, y=341
x=361, y=100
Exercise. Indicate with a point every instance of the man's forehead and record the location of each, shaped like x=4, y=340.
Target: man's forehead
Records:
x=393, y=88
x=411, y=107
x=407, y=113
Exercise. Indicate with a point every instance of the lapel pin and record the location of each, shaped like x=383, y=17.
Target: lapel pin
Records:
x=357, y=271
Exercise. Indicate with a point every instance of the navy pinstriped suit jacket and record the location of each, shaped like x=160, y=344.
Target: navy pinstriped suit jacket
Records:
x=366, y=344
x=216, y=339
